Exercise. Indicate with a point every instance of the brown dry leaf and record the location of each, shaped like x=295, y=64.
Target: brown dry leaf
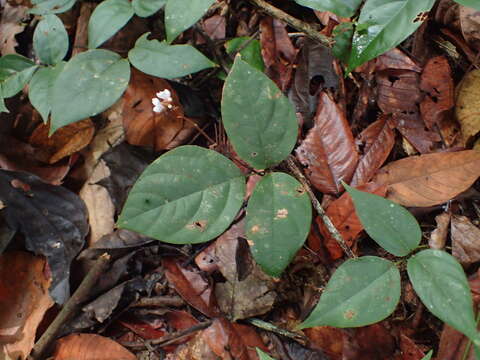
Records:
x=328, y=339
x=437, y=83
x=430, y=179
x=192, y=287
x=278, y=51
x=377, y=141
x=240, y=296
x=64, y=142
x=24, y=299
x=468, y=104
x=396, y=59
x=465, y=240
x=410, y=350
x=11, y=24
x=342, y=214
x=215, y=27
x=413, y=130
x=101, y=210
x=143, y=126
x=398, y=91
x=369, y=342
x=328, y=151
x=90, y=347
x=438, y=237
x=470, y=25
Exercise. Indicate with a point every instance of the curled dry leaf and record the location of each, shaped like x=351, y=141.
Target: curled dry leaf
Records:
x=468, y=104
x=377, y=140
x=328, y=151
x=143, y=126
x=11, y=24
x=437, y=83
x=90, y=347
x=24, y=299
x=342, y=213
x=465, y=240
x=64, y=142
x=192, y=287
x=430, y=179
x=438, y=237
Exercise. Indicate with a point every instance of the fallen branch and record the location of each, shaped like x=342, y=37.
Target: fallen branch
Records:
x=309, y=30
x=318, y=207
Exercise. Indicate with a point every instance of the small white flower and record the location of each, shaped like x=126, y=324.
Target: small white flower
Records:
x=162, y=101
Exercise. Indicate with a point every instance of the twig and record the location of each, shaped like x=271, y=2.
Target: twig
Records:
x=308, y=29
x=71, y=306
x=275, y=329
x=316, y=204
x=175, y=301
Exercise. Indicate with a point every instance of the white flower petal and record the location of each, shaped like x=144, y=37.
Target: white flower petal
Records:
x=165, y=95
x=156, y=102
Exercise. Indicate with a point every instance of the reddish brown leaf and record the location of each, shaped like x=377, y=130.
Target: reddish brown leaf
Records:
x=90, y=347
x=64, y=142
x=398, y=91
x=215, y=27
x=430, y=179
x=278, y=51
x=369, y=342
x=191, y=287
x=144, y=330
x=377, y=140
x=24, y=299
x=329, y=152
x=232, y=341
x=412, y=128
x=328, y=339
x=396, y=59
x=410, y=350
x=145, y=127
x=342, y=214
x=437, y=83
x=465, y=240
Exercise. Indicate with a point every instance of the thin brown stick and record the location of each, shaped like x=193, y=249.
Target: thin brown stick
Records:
x=308, y=29
x=71, y=307
x=316, y=204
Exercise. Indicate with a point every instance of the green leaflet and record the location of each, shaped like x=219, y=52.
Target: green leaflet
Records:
x=146, y=8
x=362, y=291
x=90, y=83
x=262, y=355
x=181, y=14
x=44, y=7
x=441, y=284
x=344, y=8
x=389, y=224
x=382, y=25
x=50, y=40
x=474, y=4
x=107, y=19
x=278, y=221
x=428, y=356
x=188, y=195
x=40, y=89
x=15, y=72
x=261, y=124
x=176, y=60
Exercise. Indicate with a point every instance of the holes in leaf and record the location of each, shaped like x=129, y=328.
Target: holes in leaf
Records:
x=393, y=79
x=421, y=17
x=254, y=154
x=316, y=83
x=300, y=190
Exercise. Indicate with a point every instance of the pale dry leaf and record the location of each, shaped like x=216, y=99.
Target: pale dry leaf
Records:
x=11, y=24
x=468, y=104
x=430, y=179
x=438, y=237
x=465, y=240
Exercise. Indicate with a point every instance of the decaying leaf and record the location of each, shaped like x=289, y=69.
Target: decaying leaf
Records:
x=64, y=142
x=398, y=91
x=11, y=24
x=465, y=240
x=468, y=104
x=438, y=237
x=160, y=130
x=24, y=299
x=328, y=151
x=470, y=25
x=430, y=179
x=90, y=346
x=377, y=141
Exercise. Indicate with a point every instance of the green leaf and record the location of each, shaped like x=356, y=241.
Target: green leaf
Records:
x=146, y=8
x=166, y=61
x=342, y=34
x=251, y=54
x=262, y=355
x=181, y=14
x=40, y=89
x=428, y=356
x=108, y=18
x=344, y=8
x=474, y=4
x=15, y=71
x=189, y=195
x=90, y=83
x=3, y=108
x=389, y=224
x=362, y=291
x=441, y=284
x=382, y=25
x=278, y=221
x=259, y=120
x=50, y=40
x=44, y=7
